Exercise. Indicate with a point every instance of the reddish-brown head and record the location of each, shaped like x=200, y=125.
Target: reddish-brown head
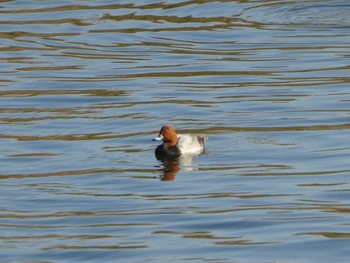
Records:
x=168, y=135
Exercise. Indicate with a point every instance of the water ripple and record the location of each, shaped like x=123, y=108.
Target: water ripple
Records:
x=86, y=86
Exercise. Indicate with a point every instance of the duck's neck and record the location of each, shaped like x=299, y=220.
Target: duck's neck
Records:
x=170, y=142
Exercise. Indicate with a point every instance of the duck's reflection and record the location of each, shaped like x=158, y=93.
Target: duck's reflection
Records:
x=171, y=165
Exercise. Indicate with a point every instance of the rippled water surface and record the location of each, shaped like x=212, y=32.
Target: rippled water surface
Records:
x=86, y=85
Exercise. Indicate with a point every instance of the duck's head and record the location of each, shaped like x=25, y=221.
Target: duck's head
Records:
x=168, y=135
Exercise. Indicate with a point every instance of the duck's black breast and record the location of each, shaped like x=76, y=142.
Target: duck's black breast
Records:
x=164, y=151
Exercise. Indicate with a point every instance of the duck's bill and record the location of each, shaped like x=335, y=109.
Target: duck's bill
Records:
x=158, y=138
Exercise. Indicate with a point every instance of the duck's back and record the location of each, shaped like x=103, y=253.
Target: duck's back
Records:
x=191, y=143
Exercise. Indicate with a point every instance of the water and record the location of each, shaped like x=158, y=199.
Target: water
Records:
x=85, y=86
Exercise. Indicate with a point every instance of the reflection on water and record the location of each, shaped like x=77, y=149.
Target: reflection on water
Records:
x=171, y=168
x=171, y=165
x=85, y=85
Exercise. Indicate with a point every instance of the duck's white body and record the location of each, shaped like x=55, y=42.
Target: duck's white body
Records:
x=187, y=143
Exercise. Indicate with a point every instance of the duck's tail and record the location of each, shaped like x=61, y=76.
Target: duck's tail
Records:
x=202, y=139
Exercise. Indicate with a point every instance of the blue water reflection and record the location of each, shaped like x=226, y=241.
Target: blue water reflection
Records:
x=86, y=86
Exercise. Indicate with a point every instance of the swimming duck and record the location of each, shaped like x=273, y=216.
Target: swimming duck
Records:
x=178, y=144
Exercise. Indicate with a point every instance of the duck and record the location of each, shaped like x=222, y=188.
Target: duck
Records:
x=176, y=145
